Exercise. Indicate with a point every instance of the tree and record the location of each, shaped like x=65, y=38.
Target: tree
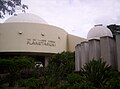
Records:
x=9, y=6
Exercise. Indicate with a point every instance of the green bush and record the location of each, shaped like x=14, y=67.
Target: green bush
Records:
x=113, y=83
x=13, y=66
x=59, y=66
x=74, y=78
x=6, y=66
x=98, y=73
x=33, y=83
x=22, y=83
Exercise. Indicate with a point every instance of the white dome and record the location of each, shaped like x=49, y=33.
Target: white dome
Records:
x=99, y=31
x=25, y=17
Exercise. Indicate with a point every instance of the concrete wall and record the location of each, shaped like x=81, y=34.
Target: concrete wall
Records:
x=78, y=57
x=84, y=53
x=81, y=55
x=118, y=50
x=106, y=48
x=94, y=49
x=73, y=41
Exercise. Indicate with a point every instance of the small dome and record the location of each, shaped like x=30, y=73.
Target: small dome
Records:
x=25, y=17
x=99, y=31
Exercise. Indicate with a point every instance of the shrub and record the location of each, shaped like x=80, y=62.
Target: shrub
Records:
x=98, y=73
x=13, y=66
x=33, y=83
x=60, y=65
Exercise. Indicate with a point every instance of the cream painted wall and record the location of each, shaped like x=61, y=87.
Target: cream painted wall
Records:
x=73, y=41
x=19, y=37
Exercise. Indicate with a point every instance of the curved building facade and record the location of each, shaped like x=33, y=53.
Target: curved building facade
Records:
x=28, y=34
x=32, y=37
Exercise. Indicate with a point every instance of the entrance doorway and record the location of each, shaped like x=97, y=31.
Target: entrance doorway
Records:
x=40, y=60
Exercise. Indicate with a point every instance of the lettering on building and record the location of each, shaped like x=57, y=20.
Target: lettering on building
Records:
x=41, y=42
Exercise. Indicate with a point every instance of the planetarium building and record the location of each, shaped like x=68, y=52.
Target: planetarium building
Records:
x=28, y=34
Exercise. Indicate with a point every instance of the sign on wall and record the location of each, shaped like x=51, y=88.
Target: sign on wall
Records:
x=41, y=42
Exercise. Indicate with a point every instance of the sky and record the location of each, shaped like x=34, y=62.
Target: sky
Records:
x=77, y=17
